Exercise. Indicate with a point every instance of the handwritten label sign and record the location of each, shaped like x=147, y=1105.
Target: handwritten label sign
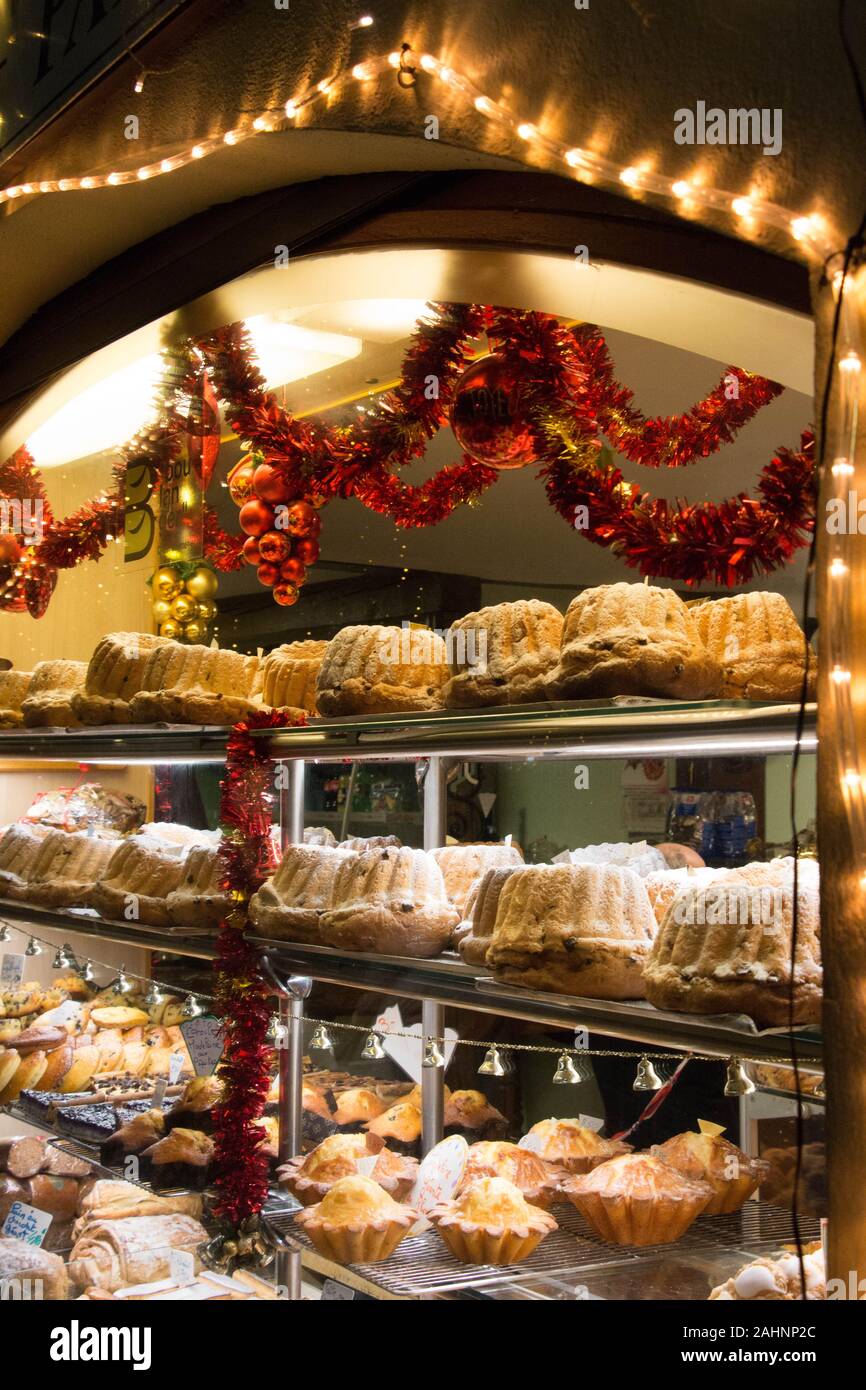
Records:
x=175, y=1067
x=26, y=1223
x=12, y=970
x=204, y=1038
x=408, y=1052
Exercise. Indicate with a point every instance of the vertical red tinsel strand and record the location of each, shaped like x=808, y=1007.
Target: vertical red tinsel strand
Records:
x=242, y=994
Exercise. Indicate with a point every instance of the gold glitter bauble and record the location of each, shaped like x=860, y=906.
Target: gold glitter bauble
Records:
x=165, y=582
x=184, y=608
x=207, y=611
x=194, y=631
x=170, y=629
x=161, y=610
x=202, y=584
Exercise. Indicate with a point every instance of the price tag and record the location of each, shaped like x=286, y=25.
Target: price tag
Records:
x=175, y=1067
x=159, y=1092
x=204, y=1038
x=333, y=1290
x=12, y=970
x=591, y=1122
x=26, y=1223
x=181, y=1266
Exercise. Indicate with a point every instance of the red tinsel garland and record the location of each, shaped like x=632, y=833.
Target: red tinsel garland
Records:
x=242, y=994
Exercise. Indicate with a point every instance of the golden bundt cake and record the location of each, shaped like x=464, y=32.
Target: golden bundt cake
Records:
x=473, y=935
x=48, y=703
x=463, y=865
x=289, y=906
x=136, y=884
x=632, y=639
x=196, y=685
x=758, y=643
x=502, y=655
x=19, y=850
x=573, y=929
x=289, y=675
x=664, y=885
x=66, y=868
x=726, y=948
x=114, y=675
x=381, y=670
x=14, y=686
x=200, y=899
x=391, y=901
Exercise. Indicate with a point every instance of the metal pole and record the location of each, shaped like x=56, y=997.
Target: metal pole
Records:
x=292, y=803
x=432, y=1014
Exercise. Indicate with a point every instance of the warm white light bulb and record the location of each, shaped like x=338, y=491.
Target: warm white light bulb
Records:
x=428, y=62
x=840, y=676
x=527, y=131
x=850, y=363
x=681, y=189
x=230, y=137
x=851, y=779
x=394, y=59
x=290, y=109
x=484, y=105
x=574, y=157
x=743, y=207
x=838, y=569
x=197, y=152
x=630, y=177
x=842, y=468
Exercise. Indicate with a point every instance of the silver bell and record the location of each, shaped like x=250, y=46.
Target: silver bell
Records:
x=738, y=1082
x=566, y=1073
x=492, y=1064
x=647, y=1078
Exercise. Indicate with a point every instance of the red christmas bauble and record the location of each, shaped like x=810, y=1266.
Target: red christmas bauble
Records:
x=274, y=546
x=256, y=517
x=240, y=480
x=270, y=484
x=487, y=416
x=10, y=550
x=306, y=550
x=268, y=575
x=294, y=570
x=286, y=594
x=303, y=520
x=252, y=554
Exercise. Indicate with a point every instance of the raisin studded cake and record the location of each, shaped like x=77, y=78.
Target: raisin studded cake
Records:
x=381, y=670
x=581, y=929
x=502, y=655
x=759, y=645
x=463, y=865
x=14, y=686
x=474, y=934
x=184, y=684
x=199, y=899
x=632, y=639
x=392, y=901
x=136, y=884
x=48, y=703
x=114, y=674
x=66, y=868
x=289, y=675
x=289, y=906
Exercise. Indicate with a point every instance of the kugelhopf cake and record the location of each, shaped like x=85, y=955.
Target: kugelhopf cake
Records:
x=382, y=670
x=664, y=885
x=632, y=639
x=48, y=703
x=392, y=901
x=758, y=644
x=502, y=655
x=137, y=882
x=13, y=688
x=66, y=868
x=200, y=899
x=473, y=935
x=184, y=684
x=726, y=948
x=463, y=865
x=19, y=849
x=289, y=905
x=114, y=674
x=581, y=929
x=289, y=675
x=178, y=839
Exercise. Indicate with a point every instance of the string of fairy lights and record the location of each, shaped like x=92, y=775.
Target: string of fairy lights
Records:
x=750, y=211
x=497, y=1060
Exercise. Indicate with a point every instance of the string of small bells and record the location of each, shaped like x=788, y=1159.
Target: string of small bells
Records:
x=125, y=982
x=282, y=530
x=184, y=604
x=571, y=1069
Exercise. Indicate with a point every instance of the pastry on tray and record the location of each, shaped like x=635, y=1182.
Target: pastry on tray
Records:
x=463, y=865
x=67, y=866
x=289, y=675
x=537, y=1179
x=199, y=900
x=571, y=1145
x=132, y=1138
x=473, y=935
x=400, y=1127
x=382, y=670
x=106, y=1199
x=470, y=1113
x=357, y=1105
x=731, y=1173
x=187, y=684
x=310, y=1176
x=778, y=1278
x=502, y=655
x=136, y=883
x=490, y=1222
x=583, y=929
x=193, y=1108
x=19, y=849
x=638, y=1199
x=13, y=688
x=21, y=1261
x=357, y=1222
x=390, y=901
x=632, y=639
x=114, y=1254
x=53, y=686
x=181, y=1159
x=114, y=675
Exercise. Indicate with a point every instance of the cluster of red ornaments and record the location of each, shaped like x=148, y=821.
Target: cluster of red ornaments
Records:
x=281, y=527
